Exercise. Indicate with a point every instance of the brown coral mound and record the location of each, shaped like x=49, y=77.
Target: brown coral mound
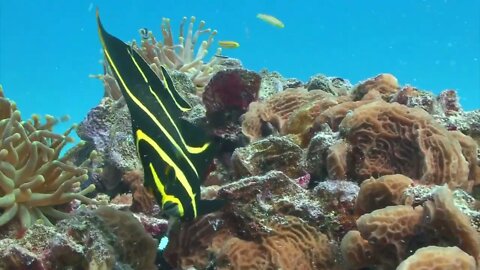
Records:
x=296, y=245
x=438, y=258
x=240, y=254
x=356, y=251
x=334, y=115
x=291, y=244
x=259, y=228
x=387, y=236
x=143, y=200
x=390, y=230
x=133, y=245
x=392, y=138
x=302, y=119
x=337, y=160
x=382, y=192
x=469, y=150
x=279, y=107
x=272, y=153
x=33, y=177
x=451, y=224
x=384, y=85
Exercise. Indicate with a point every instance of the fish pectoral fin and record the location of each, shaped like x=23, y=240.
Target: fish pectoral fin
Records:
x=209, y=206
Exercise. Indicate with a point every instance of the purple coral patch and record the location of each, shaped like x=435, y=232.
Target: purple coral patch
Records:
x=231, y=90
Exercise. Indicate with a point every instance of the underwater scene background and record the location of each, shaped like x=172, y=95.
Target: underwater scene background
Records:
x=434, y=45
x=323, y=135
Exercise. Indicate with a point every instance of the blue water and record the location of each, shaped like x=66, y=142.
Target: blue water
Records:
x=48, y=48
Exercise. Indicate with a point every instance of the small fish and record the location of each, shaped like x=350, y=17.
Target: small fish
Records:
x=144, y=32
x=228, y=44
x=221, y=56
x=271, y=20
x=175, y=154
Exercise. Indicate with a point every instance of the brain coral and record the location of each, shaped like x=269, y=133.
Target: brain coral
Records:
x=33, y=176
x=291, y=244
x=392, y=138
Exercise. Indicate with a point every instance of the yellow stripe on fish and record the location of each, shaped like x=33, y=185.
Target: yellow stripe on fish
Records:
x=271, y=20
x=228, y=44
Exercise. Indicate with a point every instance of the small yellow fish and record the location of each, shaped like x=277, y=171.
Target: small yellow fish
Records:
x=228, y=44
x=270, y=20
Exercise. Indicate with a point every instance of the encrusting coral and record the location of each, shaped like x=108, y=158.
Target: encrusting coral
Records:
x=33, y=177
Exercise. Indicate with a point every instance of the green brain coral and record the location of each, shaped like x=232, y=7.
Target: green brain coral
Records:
x=33, y=177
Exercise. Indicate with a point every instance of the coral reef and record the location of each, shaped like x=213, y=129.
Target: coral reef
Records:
x=273, y=82
x=143, y=201
x=101, y=239
x=259, y=229
x=315, y=175
x=290, y=245
x=333, y=85
x=34, y=178
x=387, y=235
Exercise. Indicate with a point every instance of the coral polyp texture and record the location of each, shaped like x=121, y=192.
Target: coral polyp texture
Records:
x=33, y=177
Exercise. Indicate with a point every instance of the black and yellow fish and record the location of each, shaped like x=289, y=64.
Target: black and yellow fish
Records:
x=175, y=154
